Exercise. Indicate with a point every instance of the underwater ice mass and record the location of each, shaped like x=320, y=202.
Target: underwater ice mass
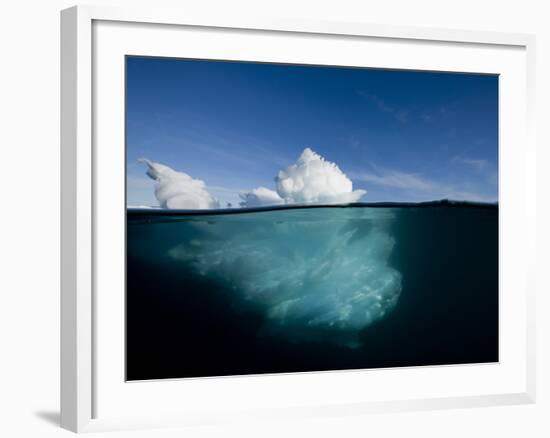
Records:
x=314, y=280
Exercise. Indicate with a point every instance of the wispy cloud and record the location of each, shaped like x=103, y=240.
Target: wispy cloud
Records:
x=439, y=113
x=396, y=179
x=225, y=154
x=474, y=163
x=482, y=168
x=399, y=114
x=405, y=115
x=416, y=186
x=380, y=103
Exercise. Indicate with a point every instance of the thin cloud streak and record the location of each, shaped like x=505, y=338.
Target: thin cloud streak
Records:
x=476, y=164
x=416, y=186
x=400, y=115
x=396, y=179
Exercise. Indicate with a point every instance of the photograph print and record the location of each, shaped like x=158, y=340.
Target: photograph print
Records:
x=285, y=218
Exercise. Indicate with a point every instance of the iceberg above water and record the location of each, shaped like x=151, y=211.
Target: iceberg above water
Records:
x=177, y=189
x=260, y=197
x=314, y=180
x=311, y=180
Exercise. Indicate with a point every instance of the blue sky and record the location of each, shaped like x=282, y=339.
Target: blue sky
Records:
x=401, y=135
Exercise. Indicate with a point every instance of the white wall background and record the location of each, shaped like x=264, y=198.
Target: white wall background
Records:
x=29, y=217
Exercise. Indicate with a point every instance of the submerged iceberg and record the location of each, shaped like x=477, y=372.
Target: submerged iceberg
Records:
x=315, y=273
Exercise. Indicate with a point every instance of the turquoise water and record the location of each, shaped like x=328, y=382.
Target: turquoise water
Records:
x=306, y=289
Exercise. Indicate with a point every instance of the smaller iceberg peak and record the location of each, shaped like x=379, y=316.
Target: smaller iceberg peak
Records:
x=260, y=197
x=175, y=189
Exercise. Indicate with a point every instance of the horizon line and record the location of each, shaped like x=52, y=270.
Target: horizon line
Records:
x=381, y=204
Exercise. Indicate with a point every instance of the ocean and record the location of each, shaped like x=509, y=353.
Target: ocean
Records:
x=310, y=288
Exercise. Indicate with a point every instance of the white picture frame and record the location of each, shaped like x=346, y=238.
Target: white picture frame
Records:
x=86, y=376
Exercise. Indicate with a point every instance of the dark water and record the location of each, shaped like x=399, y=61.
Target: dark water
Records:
x=309, y=289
